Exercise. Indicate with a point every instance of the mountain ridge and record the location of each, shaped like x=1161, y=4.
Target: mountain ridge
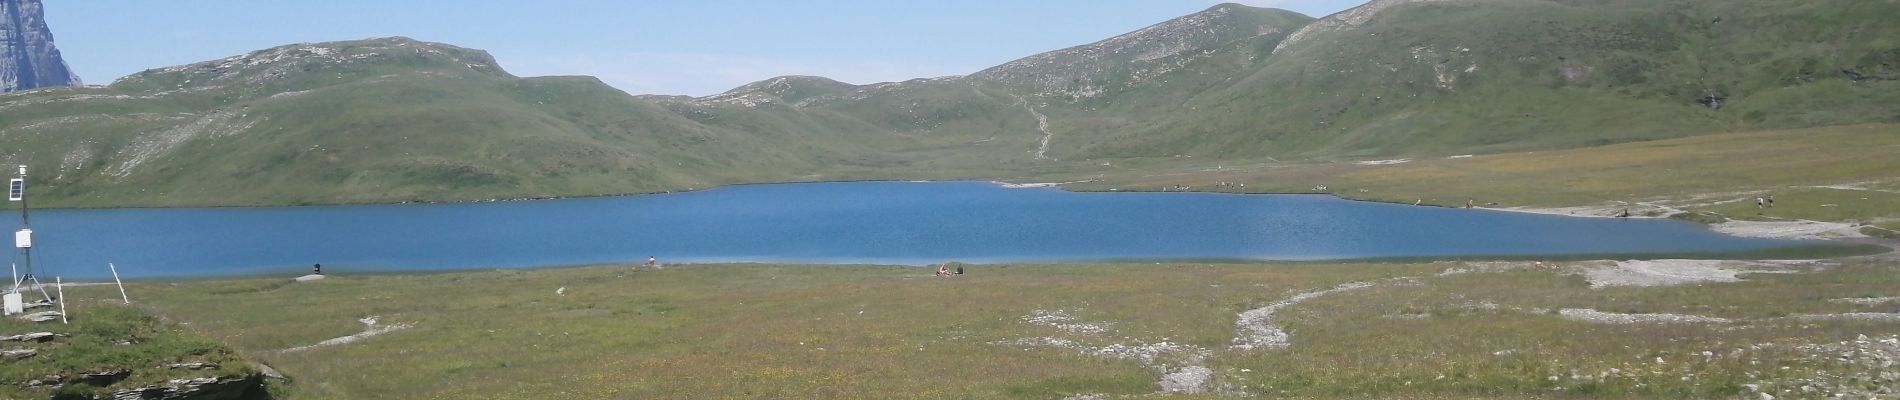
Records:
x=399, y=120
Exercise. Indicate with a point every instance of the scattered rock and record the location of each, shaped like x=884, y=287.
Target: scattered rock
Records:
x=32, y=337
x=42, y=316
x=106, y=378
x=192, y=366
x=1060, y=319
x=1189, y=380
x=270, y=372
x=1848, y=316
x=310, y=278
x=17, y=354
x=1659, y=273
x=47, y=382
x=233, y=387
x=1599, y=317
x=1867, y=301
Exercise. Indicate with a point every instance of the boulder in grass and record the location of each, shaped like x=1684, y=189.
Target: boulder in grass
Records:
x=105, y=378
x=311, y=277
x=32, y=337
x=42, y=316
x=18, y=354
x=192, y=366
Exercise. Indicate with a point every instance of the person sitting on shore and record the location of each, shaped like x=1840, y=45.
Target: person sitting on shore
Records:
x=943, y=270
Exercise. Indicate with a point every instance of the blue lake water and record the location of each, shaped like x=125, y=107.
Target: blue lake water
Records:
x=861, y=222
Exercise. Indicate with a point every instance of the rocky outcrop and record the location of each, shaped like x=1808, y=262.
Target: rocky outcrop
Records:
x=28, y=59
x=209, y=388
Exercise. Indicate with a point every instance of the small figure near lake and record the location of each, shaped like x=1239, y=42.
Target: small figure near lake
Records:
x=942, y=271
x=316, y=269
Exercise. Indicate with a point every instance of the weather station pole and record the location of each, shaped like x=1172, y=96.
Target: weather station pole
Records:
x=16, y=191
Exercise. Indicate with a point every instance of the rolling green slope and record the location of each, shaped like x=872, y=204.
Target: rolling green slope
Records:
x=1465, y=76
x=384, y=120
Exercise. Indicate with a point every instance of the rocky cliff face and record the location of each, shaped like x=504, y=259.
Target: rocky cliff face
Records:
x=28, y=59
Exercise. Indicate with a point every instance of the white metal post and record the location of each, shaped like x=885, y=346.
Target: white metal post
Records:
x=61, y=287
x=115, y=279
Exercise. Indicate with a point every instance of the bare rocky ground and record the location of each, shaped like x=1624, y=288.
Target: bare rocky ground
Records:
x=1602, y=274
x=1180, y=365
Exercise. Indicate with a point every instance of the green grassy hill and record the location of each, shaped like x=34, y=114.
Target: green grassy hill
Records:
x=396, y=120
x=1469, y=76
x=368, y=121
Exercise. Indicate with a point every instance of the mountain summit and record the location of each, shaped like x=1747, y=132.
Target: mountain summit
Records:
x=28, y=59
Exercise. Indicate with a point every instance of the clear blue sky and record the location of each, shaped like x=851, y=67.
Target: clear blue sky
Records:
x=692, y=47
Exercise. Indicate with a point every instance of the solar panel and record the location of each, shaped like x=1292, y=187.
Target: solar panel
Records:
x=16, y=190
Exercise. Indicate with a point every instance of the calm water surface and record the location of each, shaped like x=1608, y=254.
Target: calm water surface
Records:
x=866, y=222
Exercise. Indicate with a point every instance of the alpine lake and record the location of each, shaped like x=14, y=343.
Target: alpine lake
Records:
x=904, y=223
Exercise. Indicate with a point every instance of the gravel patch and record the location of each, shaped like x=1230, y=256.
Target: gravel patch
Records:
x=1256, y=328
x=1847, y=316
x=1189, y=380
x=1065, y=321
x=1599, y=317
x=1659, y=273
x=1868, y=301
x=1180, y=365
x=1797, y=230
x=370, y=329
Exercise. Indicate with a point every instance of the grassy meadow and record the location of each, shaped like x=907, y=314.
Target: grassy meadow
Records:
x=1688, y=172
x=784, y=331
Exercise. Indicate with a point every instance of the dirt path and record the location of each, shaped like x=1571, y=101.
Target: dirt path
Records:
x=1042, y=124
x=1256, y=328
x=369, y=330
